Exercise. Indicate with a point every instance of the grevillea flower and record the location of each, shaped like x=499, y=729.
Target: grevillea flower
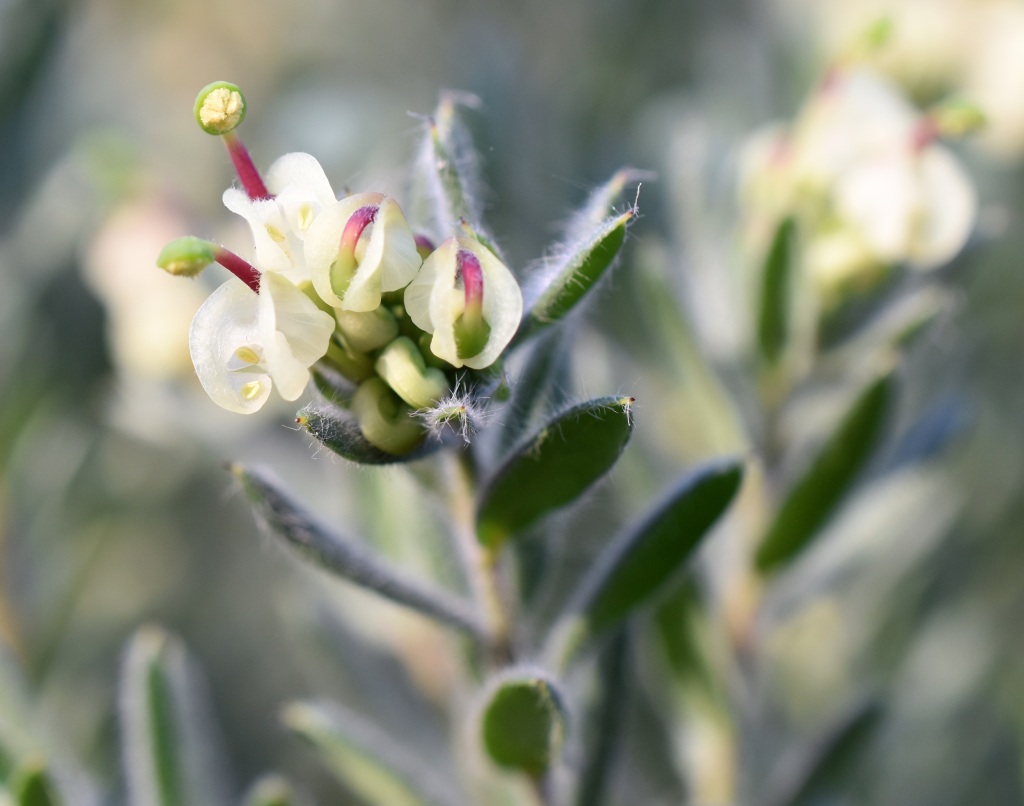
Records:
x=358, y=248
x=300, y=193
x=468, y=300
x=244, y=343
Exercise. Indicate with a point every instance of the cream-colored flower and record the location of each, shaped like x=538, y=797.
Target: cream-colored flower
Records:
x=468, y=300
x=243, y=344
x=358, y=248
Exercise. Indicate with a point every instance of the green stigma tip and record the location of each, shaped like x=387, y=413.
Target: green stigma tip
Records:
x=220, y=107
x=186, y=257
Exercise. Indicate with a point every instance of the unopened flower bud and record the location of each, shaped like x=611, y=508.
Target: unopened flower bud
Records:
x=186, y=257
x=367, y=331
x=402, y=366
x=385, y=420
x=219, y=107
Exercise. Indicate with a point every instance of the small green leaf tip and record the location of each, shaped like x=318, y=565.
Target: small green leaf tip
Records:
x=220, y=107
x=958, y=117
x=186, y=257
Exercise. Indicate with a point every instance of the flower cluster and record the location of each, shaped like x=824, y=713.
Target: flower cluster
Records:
x=866, y=178
x=341, y=285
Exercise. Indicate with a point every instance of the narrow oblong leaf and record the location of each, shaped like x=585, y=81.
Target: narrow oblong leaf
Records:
x=31, y=785
x=338, y=431
x=601, y=202
x=349, y=559
x=776, y=279
x=568, y=276
x=523, y=722
x=170, y=757
x=540, y=386
x=820, y=774
x=645, y=556
x=816, y=494
x=553, y=467
x=364, y=759
x=447, y=172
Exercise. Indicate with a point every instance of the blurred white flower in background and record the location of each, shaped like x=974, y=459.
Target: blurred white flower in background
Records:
x=865, y=177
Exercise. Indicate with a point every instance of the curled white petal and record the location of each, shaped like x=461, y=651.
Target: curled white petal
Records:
x=244, y=344
x=270, y=231
x=302, y=172
x=434, y=302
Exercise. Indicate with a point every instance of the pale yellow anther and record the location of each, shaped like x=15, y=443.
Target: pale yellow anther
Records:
x=222, y=109
x=275, y=234
x=252, y=390
x=247, y=354
x=306, y=217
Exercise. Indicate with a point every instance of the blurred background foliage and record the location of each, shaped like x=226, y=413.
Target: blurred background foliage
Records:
x=115, y=509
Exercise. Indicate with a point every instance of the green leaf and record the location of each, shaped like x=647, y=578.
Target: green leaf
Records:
x=644, y=557
x=776, y=280
x=523, y=722
x=553, y=467
x=818, y=492
x=338, y=431
x=447, y=177
x=348, y=558
x=169, y=757
x=540, y=386
x=31, y=786
x=271, y=790
x=601, y=202
x=573, y=272
x=364, y=759
x=822, y=772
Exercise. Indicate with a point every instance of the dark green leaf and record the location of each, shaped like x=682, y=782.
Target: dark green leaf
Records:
x=569, y=276
x=540, y=386
x=553, y=467
x=636, y=565
x=820, y=774
x=364, y=759
x=169, y=756
x=347, y=558
x=523, y=723
x=817, y=493
x=338, y=431
x=31, y=786
x=776, y=280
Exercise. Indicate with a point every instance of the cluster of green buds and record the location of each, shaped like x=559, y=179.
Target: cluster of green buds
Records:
x=344, y=292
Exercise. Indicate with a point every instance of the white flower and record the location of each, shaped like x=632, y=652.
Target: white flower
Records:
x=437, y=301
x=243, y=344
x=280, y=224
x=358, y=248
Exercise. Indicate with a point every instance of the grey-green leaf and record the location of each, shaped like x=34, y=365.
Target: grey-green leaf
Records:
x=347, y=558
x=523, y=722
x=30, y=785
x=773, y=321
x=553, y=467
x=338, y=431
x=364, y=759
x=170, y=756
x=573, y=272
x=447, y=173
x=817, y=493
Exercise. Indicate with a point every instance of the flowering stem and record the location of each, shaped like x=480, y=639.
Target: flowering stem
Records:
x=249, y=176
x=242, y=269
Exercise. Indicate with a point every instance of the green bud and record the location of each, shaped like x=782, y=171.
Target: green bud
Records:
x=219, y=107
x=384, y=420
x=186, y=257
x=367, y=331
x=402, y=366
x=523, y=723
